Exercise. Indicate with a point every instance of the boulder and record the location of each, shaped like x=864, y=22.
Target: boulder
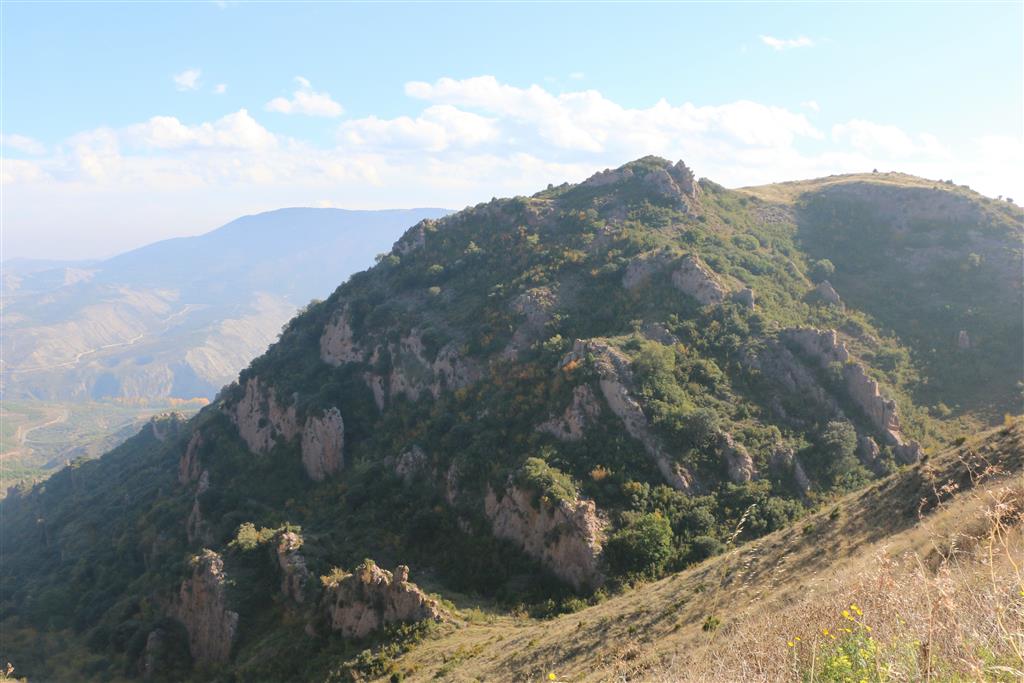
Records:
x=736, y=459
x=827, y=294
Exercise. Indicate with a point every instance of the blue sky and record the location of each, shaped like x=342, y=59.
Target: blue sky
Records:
x=126, y=123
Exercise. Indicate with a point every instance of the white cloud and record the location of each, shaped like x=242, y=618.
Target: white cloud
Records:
x=234, y=131
x=779, y=44
x=463, y=141
x=220, y=89
x=438, y=128
x=21, y=143
x=811, y=104
x=187, y=79
x=887, y=140
x=306, y=101
x=577, y=75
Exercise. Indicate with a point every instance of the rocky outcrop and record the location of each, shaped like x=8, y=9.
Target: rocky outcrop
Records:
x=413, y=375
x=260, y=419
x=674, y=183
x=583, y=410
x=370, y=598
x=824, y=347
x=294, y=573
x=409, y=464
x=165, y=426
x=644, y=266
x=695, y=279
x=201, y=605
x=745, y=297
x=867, y=451
x=323, y=443
x=196, y=528
x=963, y=340
x=827, y=294
x=785, y=462
x=414, y=238
x=535, y=306
x=453, y=370
x=564, y=536
x=736, y=458
x=616, y=380
x=189, y=466
x=337, y=343
x=150, y=658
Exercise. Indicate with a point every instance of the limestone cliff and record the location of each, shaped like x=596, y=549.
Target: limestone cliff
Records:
x=323, y=443
x=294, y=574
x=825, y=348
x=565, y=536
x=201, y=605
x=337, y=343
x=260, y=419
x=581, y=412
x=616, y=380
x=694, y=278
x=367, y=600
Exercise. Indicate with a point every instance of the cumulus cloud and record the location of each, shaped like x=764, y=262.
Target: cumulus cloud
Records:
x=21, y=143
x=187, y=79
x=887, y=140
x=306, y=101
x=779, y=44
x=463, y=141
x=811, y=104
x=234, y=131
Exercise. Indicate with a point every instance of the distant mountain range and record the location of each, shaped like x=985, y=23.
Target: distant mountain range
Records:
x=179, y=318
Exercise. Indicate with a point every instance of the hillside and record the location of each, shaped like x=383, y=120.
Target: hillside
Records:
x=537, y=402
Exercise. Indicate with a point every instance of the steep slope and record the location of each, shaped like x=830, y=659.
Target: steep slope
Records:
x=179, y=318
x=928, y=528
x=537, y=400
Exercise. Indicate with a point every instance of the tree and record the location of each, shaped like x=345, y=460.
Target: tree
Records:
x=643, y=546
x=822, y=270
x=838, y=448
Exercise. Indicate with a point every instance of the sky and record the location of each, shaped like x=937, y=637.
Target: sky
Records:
x=125, y=123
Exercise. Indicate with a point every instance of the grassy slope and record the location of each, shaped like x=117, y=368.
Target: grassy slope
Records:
x=658, y=626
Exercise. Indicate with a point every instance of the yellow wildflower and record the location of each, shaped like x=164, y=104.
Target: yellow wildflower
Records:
x=552, y=676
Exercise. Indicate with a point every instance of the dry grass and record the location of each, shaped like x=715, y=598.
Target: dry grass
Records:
x=955, y=612
x=789, y=191
x=931, y=556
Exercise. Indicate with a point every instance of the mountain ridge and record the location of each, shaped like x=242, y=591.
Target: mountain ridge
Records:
x=599, y=384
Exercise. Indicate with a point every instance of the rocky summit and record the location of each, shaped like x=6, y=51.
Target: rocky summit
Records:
x=537, y=402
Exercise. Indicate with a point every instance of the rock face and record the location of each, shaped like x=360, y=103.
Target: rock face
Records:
x=201, y=605
x=261, y=420
x=414, y=238
x=413, y=375
x=737, y=460
x=616, y=379
x=963, y=340
x=697, y=280
x=535, y=306
x=337, y=344
x=583, y=410
x=365, y=601
x=827, y=294
x=675, y=184
x=323, y=443
x=565, y=536
x=745, y=297
x=824, y=347
x=641, y=268
x=294, y=573
x=785, y=461
x=409, y=464
x=189, y=466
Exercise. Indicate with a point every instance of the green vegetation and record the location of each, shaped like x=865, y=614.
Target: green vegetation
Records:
x=501, y=291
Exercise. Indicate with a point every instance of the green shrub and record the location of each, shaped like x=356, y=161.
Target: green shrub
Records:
x=642, y=547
